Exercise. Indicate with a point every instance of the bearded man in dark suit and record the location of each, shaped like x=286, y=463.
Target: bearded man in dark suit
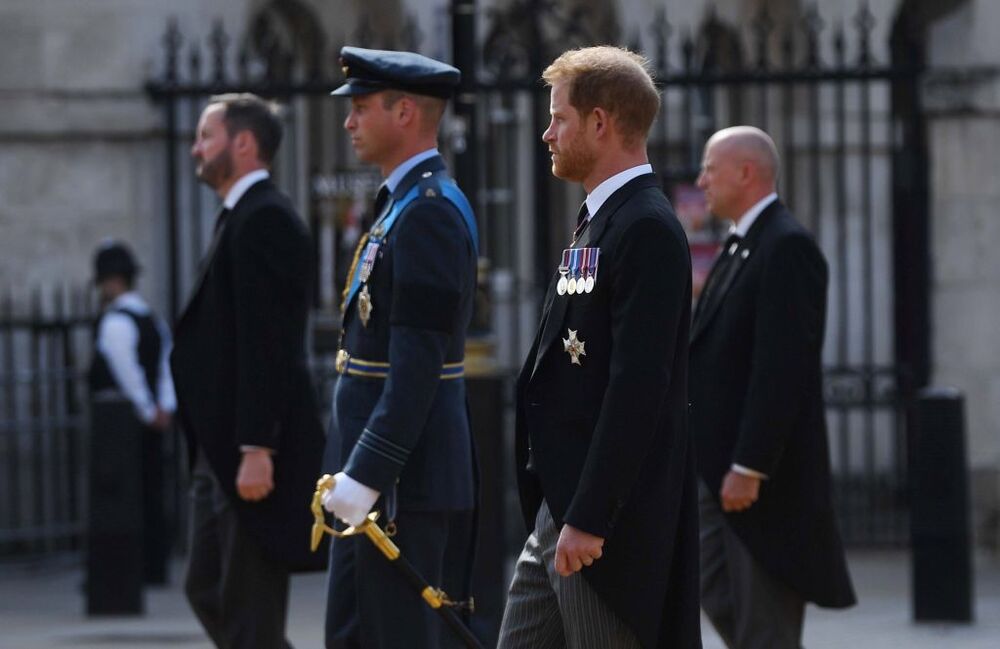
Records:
x=246, y=401
x=769, y=541
x=605, y=467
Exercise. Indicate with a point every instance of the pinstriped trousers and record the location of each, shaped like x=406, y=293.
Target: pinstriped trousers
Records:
x=548, y=611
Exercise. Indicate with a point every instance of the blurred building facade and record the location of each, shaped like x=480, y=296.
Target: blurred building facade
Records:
x=84, y=154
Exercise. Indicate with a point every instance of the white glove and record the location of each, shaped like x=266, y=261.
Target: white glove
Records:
x=349, y=500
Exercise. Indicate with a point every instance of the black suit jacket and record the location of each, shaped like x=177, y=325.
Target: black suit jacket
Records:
x=608, y=439
x=757, y=400
x=240, y=368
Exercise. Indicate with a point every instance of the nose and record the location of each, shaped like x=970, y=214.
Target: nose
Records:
x=548, y=136
x=194, y=148
x=700, y=183
x=349, y=121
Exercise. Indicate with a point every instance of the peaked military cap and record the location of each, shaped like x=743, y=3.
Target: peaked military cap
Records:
x=369, y=71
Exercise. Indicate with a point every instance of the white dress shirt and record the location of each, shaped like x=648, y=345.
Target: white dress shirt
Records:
x=118, y=342
x=746, y=221
x=603, y=192
x=241, y=186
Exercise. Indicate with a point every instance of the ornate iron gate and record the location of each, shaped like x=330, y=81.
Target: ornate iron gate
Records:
x=841, y=135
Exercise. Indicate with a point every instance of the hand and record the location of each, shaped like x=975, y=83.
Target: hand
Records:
x=576, y=549
x=349, y=500
x=255, y=478
x=739, y=492
x=161, y=421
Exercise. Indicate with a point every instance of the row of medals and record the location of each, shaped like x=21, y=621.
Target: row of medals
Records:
x=575, y=285
x=365, y=297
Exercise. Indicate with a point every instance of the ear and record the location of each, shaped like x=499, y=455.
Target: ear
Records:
x=405, y=111
x=244, y=144
x=600, y=121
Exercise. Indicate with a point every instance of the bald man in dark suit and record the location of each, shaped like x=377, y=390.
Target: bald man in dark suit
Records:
x=769, y=541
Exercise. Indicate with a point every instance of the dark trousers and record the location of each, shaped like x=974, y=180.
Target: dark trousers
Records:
x=371, y=606
x=155, y=532
x=749, y=608
x=240, y=598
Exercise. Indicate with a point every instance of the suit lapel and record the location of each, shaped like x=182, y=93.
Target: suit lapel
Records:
x=705, y=312
x=209, y=257
x=555, y=309
x=206, y=261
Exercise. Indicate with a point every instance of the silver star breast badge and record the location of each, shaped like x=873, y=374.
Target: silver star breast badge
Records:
x=574, y=347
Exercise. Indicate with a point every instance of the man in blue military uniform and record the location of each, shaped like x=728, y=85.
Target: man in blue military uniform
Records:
x=400, y=439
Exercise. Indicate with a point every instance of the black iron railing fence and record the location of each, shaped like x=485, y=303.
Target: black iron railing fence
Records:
x=44, y=345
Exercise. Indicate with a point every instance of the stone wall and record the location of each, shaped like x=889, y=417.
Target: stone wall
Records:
x=963, y=98
x=81, y=154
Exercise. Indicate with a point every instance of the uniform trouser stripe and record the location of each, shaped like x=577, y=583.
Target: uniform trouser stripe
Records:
x=548, y=611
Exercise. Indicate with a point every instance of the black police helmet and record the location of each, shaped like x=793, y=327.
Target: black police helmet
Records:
x=114, y=259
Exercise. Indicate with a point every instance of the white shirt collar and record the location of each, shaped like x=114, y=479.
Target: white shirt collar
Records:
x=397, y=175
x=241, y=186
x=743, y=225
x=602, y=192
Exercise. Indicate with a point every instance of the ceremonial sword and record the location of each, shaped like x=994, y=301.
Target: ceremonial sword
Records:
x=436, y=598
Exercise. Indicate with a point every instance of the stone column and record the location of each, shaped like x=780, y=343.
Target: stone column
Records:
x=963, y=103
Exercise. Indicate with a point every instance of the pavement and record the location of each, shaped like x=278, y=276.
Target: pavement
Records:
x=41, y=607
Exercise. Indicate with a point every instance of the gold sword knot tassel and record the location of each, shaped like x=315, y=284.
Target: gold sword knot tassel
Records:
x=436, y=598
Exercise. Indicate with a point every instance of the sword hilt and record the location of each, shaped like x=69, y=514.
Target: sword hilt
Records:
x=324, y=485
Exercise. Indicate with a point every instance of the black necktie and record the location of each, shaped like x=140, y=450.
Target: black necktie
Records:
x=721, y=267
x=220, y=220
x=380, y=200
x=582, y=219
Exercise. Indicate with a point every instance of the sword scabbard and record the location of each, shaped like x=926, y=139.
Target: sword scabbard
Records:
x=381, y=541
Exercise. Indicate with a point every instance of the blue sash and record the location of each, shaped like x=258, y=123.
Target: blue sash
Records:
x=450, y=191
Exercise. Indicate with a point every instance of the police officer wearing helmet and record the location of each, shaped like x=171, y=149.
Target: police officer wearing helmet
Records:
x=400, y=440
x=131, y=349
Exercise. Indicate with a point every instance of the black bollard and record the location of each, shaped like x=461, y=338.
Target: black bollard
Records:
x=114, y=530
x=940, y=526
x=486, y=403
